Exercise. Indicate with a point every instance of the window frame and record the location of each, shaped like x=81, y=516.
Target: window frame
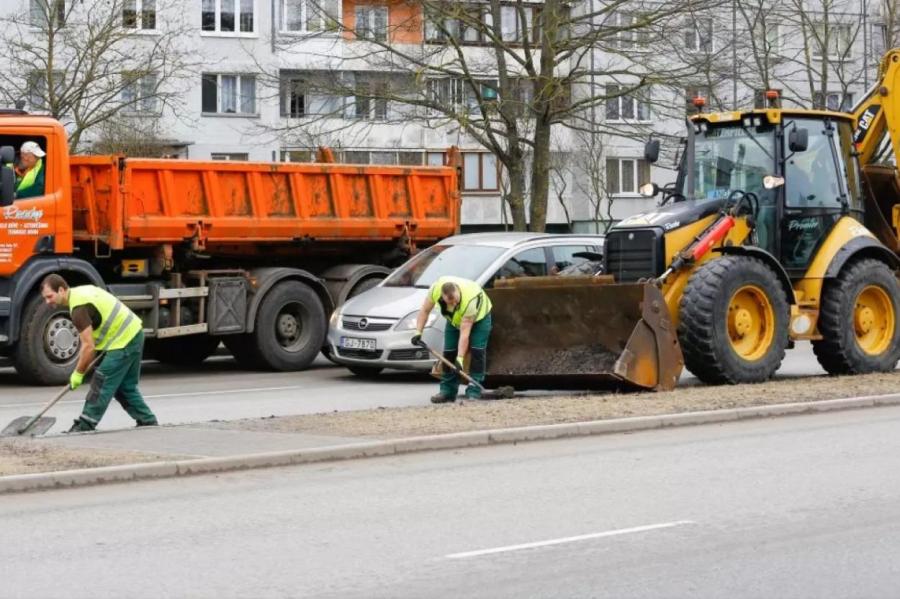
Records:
x=636, y=176
x=137, y=104
x=139, y=15
x=372, y=10
x=696, y=33
x=637, y=104
x=239, y=77
x=431, y=34
x=217, y=12
x=324, y=19
x=481, y=185
x=841, y=97
x=841, y=53
x=230, y=156
x=62, y=5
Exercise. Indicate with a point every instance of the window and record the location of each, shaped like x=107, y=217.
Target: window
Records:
x=626, y=175
x=480, y=172
x=369, y=102
x=139, y=94
x=529, y=263
x=766, y=36
x=880, y=39
x=625, y=107
x=293, y=98
x=298, y=155
x=435, y=159
x=627, y=34
x=836, y=101
x=228, y=94
x=309, y=15
x=229, y=156
x=698, y=35
x=564, y=256
x=46, y=14
x=228, y=16
x=372, y=22
x=458, y=94
x=516, y=23
x=836, y=38
x=38, y=98
x=139, y=14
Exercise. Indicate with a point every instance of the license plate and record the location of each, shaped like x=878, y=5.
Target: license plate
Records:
x=357, y=343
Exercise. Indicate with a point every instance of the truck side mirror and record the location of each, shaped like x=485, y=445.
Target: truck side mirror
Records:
x=7, y=176
x=798, y=140
x=651, y=151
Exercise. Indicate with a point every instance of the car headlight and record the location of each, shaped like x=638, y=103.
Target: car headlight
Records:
x=408, y=322
x=335, y=318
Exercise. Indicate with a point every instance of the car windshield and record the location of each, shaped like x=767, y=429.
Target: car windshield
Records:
x=466, y=261
x=729, y=158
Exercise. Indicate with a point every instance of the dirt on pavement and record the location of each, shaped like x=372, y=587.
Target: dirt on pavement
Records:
x=25, y=456
x=525, y=411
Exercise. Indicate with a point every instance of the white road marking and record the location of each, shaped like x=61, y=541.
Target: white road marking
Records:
x=596, y=535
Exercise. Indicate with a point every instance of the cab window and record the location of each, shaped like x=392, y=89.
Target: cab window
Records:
x=811, y=178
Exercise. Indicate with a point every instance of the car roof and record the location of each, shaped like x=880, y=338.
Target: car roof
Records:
x=513, y=239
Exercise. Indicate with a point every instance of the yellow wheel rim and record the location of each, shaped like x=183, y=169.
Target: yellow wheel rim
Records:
x=873, y=320
x=751, y=323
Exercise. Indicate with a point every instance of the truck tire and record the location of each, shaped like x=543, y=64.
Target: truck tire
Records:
x=734, y=321
x=290, y=327
x=187, y=351
x=365, y=285
x=866, y=295
x=48, y=344
x=243, y=348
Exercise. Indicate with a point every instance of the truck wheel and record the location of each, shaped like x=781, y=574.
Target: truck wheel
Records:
x=187, y=351
x=365, y=285
x=734, y=321
x=290, y=327
x=866, y=295
x=48, y=344
x=243, y=348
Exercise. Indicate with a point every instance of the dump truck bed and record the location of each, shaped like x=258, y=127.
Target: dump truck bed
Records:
x=128, y=202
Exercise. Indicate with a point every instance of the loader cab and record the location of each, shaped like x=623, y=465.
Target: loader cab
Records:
x=811, y=150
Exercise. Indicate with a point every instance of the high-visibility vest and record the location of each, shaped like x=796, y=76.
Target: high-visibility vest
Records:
x=469, y=291
x=118, y=324
x=31, y=176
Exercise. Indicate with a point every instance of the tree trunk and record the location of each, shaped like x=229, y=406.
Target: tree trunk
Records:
x=516, y=196
x=540, y=177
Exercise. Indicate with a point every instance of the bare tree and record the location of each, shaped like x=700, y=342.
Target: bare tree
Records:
x=506, y=75
x=85, y=62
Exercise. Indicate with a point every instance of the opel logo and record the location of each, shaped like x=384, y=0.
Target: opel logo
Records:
x=363, y=323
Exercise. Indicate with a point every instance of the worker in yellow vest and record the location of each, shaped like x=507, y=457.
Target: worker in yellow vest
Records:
x=30, y=176
x=467, y=309
x=104, y=324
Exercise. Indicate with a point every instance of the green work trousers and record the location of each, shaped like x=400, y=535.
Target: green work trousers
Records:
x=478, y=340
x=117, y=376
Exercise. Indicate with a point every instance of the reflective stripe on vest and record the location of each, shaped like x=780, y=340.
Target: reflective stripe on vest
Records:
x=30, y=177
x=118, y=326
x=469, y=291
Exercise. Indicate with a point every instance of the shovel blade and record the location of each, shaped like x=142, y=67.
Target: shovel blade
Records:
x=41, y=426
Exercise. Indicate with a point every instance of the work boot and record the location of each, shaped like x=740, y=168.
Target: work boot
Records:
x=80, y=426
x=153, y=422
x=441, y=398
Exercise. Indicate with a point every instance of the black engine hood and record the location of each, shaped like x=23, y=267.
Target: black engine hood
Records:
x=672, y=215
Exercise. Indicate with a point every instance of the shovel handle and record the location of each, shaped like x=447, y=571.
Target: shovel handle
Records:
x=58, y=397
x=452, y=366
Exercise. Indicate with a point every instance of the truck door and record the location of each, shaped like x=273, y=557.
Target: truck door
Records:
x=814, y=195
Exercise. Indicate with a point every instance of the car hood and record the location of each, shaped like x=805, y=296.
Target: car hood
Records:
x=385, y=302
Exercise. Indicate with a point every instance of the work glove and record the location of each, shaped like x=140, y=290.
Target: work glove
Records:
x=75, y=379
x=417, y=338
x=460, y=362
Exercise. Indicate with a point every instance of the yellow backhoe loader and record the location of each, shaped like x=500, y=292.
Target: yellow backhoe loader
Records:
x=782, y=225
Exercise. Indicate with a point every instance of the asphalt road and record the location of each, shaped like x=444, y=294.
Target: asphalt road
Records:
x=791, y=507
x=218, y=389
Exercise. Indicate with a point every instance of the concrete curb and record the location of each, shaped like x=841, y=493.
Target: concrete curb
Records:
x=167, y=469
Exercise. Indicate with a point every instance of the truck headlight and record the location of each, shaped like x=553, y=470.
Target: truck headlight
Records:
x=408, y=322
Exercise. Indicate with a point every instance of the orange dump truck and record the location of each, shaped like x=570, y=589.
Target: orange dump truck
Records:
x=253, y=254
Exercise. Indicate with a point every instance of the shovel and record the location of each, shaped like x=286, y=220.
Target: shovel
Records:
x=38, y=425
x=499, y=393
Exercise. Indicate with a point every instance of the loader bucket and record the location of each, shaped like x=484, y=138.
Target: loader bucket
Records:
x=581, y=333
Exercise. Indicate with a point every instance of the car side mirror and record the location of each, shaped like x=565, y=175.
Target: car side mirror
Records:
x=651, y=151
x=7, y=176
x=798, y=140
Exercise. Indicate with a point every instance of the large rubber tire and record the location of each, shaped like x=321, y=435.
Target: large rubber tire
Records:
x=365, y=372
x=187, y=351
x=846, y=328
x=365, y=285
x=48, y=344
x=724, y=333
x=243, y=348
x=290, y=327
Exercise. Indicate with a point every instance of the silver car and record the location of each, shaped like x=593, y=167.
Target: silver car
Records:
x=372, y=331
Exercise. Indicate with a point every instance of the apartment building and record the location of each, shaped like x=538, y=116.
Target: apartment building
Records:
x=272, y=79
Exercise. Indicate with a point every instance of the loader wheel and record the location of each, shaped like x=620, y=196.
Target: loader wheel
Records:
x=858, y=320
x=48, y=344
x=734, y=321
